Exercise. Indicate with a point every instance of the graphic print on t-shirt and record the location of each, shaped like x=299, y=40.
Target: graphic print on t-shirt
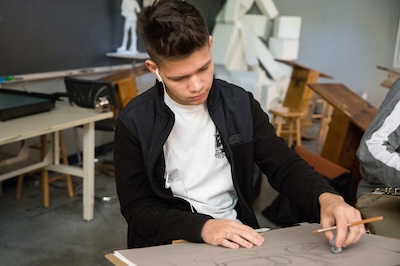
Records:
x=219, y=148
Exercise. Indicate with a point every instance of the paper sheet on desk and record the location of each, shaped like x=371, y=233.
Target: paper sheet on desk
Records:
x=288, y=246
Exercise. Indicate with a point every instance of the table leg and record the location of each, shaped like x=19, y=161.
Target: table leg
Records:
x=88, y=171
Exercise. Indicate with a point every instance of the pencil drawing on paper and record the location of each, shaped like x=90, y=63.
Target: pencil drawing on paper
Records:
x=300, y=254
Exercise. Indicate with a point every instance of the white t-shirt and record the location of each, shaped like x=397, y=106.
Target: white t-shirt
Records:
x=197, y=169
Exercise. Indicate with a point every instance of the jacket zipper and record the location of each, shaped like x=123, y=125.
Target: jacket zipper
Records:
x=234, y=178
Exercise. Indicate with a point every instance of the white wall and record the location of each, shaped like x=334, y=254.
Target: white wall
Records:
x=347, y=39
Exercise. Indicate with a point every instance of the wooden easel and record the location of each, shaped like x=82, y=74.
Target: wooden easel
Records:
x=296, y=104
x=299, y=95
x=350, y=119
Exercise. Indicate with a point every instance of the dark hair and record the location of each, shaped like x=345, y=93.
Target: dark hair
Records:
x=172, y=29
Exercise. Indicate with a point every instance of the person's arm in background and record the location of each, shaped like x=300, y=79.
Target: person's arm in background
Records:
x=380, y=146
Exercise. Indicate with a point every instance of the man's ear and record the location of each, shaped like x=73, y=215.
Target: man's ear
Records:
x=151, y=65
x=210, y=42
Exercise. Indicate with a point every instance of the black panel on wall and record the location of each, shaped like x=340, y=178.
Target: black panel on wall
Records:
x=209, y=9
x=43, y=36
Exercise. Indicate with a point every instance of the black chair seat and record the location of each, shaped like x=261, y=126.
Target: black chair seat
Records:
x=105, y=125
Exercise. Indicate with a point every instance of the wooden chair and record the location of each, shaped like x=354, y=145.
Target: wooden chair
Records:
x=45, y=180
x=125, y=83
x=287, y=123
x=299, y=95
x=324, y=115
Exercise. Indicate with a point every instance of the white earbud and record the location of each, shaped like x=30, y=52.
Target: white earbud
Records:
x=167, y=183
x=158, y=76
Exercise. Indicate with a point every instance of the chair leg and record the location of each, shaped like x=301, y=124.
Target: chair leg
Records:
x=324, y=122
x=44, y=175
x=298, y=131
x=18, y=192
x=290, y=131
x=64, y=159
x=279, y=126
x=70, y=189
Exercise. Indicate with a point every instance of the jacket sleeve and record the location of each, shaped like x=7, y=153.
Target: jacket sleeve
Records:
x=379, y=147
x=286, y=171
x=153, y=219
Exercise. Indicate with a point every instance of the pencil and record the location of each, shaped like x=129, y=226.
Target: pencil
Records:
x=365, y=221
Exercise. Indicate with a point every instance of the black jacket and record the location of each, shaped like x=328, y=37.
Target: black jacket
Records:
x=154, y=216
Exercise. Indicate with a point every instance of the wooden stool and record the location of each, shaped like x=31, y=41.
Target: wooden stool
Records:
x=288, y=121
x=44, y=173
x=316, y=103
x=324, y=116
x=299, y=95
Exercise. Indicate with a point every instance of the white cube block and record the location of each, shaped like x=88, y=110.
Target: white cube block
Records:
x=248, y=80
x=267, y=7
x=235, y=9
x=249, y=52
x=260, y=24
x=267, y=60
x=272, y=96
x=225, y=37
x=220, y=18
x=247, y=4
x=236, y=59
x=287, y=27
x=231, y=10
x=284, y=49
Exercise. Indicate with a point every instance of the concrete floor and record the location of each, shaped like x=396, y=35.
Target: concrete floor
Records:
x=32, y=235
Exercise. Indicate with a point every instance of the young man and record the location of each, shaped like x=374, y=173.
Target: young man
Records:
x=379, y=155
x=185, y=148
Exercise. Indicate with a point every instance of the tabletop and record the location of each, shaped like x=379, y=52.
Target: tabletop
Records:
x=63, y=116
x=358, y=110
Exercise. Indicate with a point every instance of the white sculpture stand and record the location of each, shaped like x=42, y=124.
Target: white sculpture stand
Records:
x=129, y=8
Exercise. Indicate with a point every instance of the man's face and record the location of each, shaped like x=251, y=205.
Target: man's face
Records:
x=188, y=81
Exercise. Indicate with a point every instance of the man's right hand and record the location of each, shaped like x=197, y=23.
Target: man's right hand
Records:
x=230, y=234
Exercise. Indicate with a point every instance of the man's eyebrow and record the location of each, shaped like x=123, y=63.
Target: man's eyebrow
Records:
x=202, y=67
x=206, y=64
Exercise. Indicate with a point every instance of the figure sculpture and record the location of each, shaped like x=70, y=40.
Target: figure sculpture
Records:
x=129, y=8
